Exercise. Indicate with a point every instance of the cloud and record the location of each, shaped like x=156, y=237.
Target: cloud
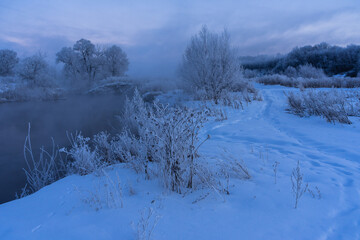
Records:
x=155, y=34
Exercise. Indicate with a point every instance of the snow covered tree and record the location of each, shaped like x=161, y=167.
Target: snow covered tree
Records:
x=210, y=64
x=85, y=61
x=81, y=61
x=116, y=61
x=72, y=67
x=8, y=60
x=33, y=68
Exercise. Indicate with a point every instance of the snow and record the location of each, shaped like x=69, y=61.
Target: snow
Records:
x=258, y=208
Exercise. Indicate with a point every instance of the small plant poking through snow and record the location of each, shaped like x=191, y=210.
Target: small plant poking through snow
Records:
x=146, y=224
x=297, y=184
x=275, y=168
x=315, y=193
x=234, y=167
x=43, y=171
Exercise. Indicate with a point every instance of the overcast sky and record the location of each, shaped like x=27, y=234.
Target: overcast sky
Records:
x=155, y=33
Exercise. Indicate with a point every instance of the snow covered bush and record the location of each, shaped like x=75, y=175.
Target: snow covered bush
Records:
x=291, y=72
x=308, y=71
x=161, y=139
x=315, y=79
x=102, y=145
x=277, y=79
x=83, y=160
x=334, y=106
x=8, y=61
x=132, y=150
x=209, y=65
x=135, y=116
x=178, y=134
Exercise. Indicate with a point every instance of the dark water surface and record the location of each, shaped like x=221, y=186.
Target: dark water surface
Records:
x=88, y=114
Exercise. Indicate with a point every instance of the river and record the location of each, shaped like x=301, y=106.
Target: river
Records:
x=88, y=114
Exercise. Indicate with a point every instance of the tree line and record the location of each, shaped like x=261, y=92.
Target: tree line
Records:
x=83, y=64
x=332, y=59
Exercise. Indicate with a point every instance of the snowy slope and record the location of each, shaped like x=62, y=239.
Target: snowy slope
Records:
x=255, y=209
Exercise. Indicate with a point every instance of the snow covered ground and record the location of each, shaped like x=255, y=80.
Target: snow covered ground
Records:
x=255, y=209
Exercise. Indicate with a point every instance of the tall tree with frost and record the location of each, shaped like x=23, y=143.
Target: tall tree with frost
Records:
x=116, y=61
x=85, y=61
x=210, y=64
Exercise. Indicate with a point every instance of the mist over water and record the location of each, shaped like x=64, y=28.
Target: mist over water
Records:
x=88, y=114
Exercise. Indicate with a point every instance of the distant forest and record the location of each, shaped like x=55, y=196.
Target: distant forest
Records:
x=332, y=59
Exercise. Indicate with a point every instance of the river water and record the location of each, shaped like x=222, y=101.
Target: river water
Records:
x=88, y=114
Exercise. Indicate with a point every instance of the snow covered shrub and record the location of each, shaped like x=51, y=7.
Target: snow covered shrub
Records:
x=291, y=72
x=234, y=100
x=42, y=171
x=83, y=160
x=102, y=143
x=149, y=218
x=135, y=116
x=332, y=105
x=248, y=91
x=328, y=82
x=178, y=132
x=129, y=149
x=308, y=71
x=297, y=184
x=248, y=73
x=276, y=79
x=162, y=139
x=312, y=80
x=209, y=65
x=295, y=103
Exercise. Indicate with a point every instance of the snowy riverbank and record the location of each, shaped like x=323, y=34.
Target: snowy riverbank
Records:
x=260, y=135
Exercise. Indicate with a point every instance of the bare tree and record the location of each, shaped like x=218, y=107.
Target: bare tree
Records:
x=209, y=64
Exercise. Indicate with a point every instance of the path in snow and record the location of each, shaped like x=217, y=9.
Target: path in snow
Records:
x=329, y=154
